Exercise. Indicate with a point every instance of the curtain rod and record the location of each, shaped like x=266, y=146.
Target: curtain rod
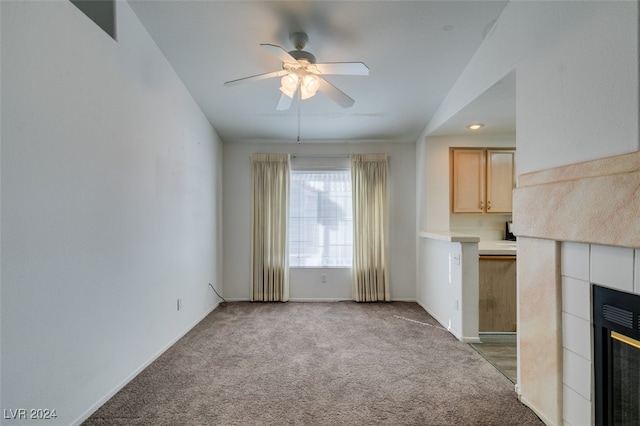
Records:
x=320, y=156
x=326, y=156
x=315, y=156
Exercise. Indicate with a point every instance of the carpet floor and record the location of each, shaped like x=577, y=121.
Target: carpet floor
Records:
x=341, y=363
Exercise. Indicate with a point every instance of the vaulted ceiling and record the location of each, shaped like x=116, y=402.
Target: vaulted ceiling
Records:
x=415, y=51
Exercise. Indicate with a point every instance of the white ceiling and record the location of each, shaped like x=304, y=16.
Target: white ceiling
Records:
x=415, y=51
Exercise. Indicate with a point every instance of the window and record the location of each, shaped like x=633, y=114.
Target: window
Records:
x=320, y=219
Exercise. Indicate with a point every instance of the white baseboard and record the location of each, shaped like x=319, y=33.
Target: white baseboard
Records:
x=533, y=408
x=138, y=370
x=318, y=299
x=445, y=325
x=313, y=299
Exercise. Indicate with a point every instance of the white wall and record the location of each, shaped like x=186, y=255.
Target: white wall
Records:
x=305, y=283
x=576, y=79
x=447, y=285
x=111, y=207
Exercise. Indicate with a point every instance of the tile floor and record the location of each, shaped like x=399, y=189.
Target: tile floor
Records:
x=500, y=351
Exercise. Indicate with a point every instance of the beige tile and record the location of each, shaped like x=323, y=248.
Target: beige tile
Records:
x=539, y=343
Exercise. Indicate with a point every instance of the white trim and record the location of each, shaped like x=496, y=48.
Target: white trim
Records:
x=318, y=299
x=537, y=412
x=138, y=370
x=461, y=338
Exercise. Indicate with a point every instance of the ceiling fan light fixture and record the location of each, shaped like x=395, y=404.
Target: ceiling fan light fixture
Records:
x=309, y=86
x=311, y=82
x=289, y=84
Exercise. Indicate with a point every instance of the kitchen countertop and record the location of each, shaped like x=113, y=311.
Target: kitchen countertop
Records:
x=497, y=248
x=485, y=248
x=452, y=237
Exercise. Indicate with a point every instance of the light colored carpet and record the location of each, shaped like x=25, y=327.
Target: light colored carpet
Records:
x=340, y=363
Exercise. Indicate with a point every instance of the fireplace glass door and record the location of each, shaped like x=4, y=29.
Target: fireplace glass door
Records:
x=616, y=345
x=625, y=380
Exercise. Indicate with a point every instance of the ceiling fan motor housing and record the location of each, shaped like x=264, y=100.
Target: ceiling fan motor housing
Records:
x=299, y=41
x=301, y=54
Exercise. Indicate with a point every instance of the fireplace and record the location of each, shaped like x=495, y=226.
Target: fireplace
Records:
x=616, y=321
x=585, y=232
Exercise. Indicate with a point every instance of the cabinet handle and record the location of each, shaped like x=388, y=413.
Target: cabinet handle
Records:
x=488, y=205
x=481, y=205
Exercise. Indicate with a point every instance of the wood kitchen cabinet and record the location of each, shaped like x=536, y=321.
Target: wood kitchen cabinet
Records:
x=482, y=180
x=497, y=293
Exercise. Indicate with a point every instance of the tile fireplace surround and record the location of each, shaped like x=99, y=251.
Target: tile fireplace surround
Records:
x=576, y=225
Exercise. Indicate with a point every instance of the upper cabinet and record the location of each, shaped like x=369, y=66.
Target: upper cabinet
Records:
x=482, y=180
x=500, y=180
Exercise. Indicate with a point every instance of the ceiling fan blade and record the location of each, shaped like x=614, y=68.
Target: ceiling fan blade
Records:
x=255, y=78
x=337, y=95
x=284, y=103
x=343, y=68
x=279, y=52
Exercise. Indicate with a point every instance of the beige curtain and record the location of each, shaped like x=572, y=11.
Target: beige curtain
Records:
x=270, y=254
x=370, y=266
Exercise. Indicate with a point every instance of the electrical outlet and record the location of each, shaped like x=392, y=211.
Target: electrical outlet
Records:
x=323, y=278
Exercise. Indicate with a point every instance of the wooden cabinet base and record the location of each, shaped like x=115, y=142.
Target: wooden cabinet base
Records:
x=497, y=309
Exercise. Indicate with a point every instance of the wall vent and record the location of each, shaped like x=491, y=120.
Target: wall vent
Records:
x=617, y=315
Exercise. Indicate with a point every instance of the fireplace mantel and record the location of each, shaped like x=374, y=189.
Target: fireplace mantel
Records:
x=595, y=202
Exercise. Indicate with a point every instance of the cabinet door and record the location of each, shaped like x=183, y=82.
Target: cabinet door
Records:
x=467, y=181
x=497, y=291
x=500, y=181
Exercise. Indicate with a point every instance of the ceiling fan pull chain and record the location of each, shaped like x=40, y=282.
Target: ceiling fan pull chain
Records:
x=299, y=103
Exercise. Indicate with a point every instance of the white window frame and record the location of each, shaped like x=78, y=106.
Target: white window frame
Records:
x=341, y=205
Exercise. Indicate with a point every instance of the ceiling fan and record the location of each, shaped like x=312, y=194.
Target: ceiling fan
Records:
x=302, y=75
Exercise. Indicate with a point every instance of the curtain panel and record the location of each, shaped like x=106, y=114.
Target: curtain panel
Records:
x=370, y=227
x=270, y=209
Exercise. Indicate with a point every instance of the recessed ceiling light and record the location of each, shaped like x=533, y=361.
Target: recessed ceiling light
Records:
x=475, y=126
